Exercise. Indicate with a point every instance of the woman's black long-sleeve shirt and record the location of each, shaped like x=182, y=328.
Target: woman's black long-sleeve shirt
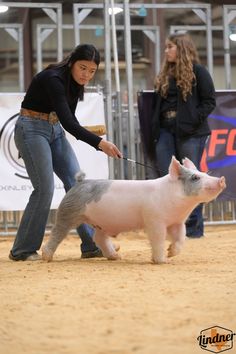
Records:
x=55, y=90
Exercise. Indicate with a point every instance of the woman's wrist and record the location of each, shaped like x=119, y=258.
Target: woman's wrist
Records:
x=101, y=143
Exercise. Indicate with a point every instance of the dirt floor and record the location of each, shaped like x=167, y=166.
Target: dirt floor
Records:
x=74, y=306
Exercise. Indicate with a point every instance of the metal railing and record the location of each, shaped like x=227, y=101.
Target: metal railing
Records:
x=215, y=213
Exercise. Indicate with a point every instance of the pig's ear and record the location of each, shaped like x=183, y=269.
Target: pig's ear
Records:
x=189, y=164
x=174, y=168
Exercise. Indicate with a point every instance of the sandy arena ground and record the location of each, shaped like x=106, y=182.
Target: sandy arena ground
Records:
x=74, y=306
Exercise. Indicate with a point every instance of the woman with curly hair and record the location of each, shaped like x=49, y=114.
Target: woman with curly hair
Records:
x=184, y=97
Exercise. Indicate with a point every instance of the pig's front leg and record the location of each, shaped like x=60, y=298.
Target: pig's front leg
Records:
x=105, y=244
x=157, y=236
x=176, y=235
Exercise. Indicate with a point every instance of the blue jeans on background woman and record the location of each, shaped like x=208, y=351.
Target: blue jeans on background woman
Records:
x=192, y=148
x=45, y=150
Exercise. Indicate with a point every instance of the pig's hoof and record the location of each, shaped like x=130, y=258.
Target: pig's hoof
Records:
x=47, y=255
x=116, y=247
x=172, y=251
x=114, y=257
x=171, y=254
x=159, y=260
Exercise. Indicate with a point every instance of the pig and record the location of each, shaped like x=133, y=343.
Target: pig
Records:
x=159, y=206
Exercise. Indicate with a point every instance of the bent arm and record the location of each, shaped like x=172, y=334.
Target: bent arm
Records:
x=56, y=91
x=206, y=93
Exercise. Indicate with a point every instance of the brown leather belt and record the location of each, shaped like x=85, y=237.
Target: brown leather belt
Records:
x=51, y=117
x=169, y=114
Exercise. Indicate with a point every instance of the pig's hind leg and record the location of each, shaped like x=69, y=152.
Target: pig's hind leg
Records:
x=106, y=245
x=176, y=235
x=58, y=233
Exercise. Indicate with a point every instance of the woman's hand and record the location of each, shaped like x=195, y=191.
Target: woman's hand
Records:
x=109, y=148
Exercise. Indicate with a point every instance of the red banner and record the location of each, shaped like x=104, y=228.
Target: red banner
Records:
x=219, y=157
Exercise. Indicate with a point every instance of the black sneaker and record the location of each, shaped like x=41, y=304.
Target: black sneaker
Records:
x=92, y=254
x=195, y=236
x=25, y=257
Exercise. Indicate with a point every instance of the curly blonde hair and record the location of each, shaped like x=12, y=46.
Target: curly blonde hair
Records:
x=182, y=69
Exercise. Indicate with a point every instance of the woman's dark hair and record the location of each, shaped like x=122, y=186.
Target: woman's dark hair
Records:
x=82, y=52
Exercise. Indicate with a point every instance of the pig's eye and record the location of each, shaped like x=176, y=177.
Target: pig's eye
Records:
x=195, y=178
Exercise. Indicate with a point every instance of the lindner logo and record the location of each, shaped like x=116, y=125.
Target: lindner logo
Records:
x=216, y=339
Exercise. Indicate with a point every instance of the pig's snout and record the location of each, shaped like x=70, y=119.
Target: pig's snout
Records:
x=214, y=187
x=222, y=182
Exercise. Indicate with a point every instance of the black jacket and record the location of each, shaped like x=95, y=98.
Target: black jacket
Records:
x=191, y=119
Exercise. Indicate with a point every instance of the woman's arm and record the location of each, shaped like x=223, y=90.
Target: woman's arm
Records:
x=57, y=94
x=205, y=91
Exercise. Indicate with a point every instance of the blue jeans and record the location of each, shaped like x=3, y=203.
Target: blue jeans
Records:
x=168, y=145
x=44, y=149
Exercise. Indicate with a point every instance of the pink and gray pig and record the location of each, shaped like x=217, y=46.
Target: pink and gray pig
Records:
x=159, y=206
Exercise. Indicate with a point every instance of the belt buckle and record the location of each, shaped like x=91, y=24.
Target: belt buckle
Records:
x=170, y=114
x=52, y=118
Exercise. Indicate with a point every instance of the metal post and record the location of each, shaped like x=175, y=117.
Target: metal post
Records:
x=107, y=86
x=118, y=113
x=76, y=24
x=209, y=41
x=59, y=33
x=39, y=60
x=21, y=60
x=226, y=48
x=157, y=52
x=129, y=73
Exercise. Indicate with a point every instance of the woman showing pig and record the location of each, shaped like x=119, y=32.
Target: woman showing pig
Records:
x=47, y=109
x=184, y=97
